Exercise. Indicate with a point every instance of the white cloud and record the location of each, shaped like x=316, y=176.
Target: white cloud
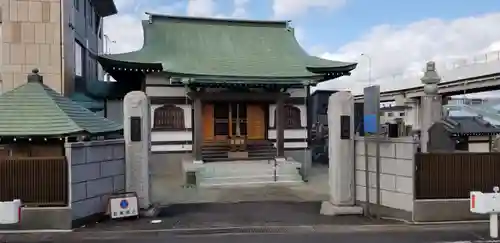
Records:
x=125, y=4
x=240, y=8
x=403, y=50
x=293, y=8
x=126, y=30
x=202, y=8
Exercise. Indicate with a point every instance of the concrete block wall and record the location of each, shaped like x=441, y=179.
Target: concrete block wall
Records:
x=396, y=172
x=97, y=170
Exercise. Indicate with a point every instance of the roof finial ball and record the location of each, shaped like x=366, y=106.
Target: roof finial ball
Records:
x=431, y=78
x=34, y=77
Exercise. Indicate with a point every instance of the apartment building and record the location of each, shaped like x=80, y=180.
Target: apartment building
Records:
x=59, y=37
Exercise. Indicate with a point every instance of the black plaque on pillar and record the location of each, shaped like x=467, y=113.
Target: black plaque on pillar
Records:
x=345, y=127
x=135, y=128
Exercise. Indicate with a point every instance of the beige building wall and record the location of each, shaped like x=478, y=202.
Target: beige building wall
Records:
x=31, y=38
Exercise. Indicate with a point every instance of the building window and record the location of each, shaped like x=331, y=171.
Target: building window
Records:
x=79, y=59
x=390, y=114
x=169, y=117
x=292, y=117
x=77, y=4
x=401, y=114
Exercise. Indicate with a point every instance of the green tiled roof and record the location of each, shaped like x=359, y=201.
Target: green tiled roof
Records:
x=86, y=101
x=231, y=50
x=34, y=109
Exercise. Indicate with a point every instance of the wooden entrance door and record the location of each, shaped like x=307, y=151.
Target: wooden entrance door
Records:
x=238, y=114
x=221, y=125
x=230, y=120
x=208, y=122
x=256, y=126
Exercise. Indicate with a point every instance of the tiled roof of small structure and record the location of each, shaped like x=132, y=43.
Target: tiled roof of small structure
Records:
x=469, y=126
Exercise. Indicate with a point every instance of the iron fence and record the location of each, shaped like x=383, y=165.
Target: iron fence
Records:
x=37, y=181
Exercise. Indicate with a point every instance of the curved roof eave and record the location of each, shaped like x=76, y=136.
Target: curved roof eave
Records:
x=347, y=67
x=124, y=62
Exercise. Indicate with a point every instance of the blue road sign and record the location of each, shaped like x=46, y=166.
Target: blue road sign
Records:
x=370, y=123
x=124, y=204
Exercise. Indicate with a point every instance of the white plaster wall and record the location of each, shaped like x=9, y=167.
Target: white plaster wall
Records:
x=479, y=147
x=289, y=134
x=172, y=147
x=168, y=136
x=294, y=145
x=157, y=79
x=303, y=115
x=396, y=172
x=166, y=91
x=187, y=114
x=297, y=92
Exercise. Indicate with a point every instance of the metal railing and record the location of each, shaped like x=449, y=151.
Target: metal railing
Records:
x=37, y=181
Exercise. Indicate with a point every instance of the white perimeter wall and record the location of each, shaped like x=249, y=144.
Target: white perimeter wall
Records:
x=396, y=172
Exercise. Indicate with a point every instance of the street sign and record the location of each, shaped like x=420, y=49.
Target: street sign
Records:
x=371, y=109
x=123, y=207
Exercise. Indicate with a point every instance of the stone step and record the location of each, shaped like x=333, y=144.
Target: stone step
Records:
x=211, y=156
x=211, y=159
x=249, y=180
x=247, y=171
x=250, y=151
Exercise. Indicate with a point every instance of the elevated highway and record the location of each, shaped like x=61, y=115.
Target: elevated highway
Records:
x=478, y=76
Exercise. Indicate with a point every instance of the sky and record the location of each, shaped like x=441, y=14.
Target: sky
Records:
x=389, y=39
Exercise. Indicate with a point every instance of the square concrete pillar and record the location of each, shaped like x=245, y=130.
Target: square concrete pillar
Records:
x=341, y=156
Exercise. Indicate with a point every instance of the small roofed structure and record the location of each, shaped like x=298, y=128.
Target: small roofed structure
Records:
x=34, y=113
x=462, y=133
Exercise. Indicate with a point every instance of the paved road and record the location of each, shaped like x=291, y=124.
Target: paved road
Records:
x=237, y=215
x=284, y=237
x=272, y=222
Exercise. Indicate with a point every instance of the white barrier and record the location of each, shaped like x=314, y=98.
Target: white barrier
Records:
x=10, y=212
x=487, y=203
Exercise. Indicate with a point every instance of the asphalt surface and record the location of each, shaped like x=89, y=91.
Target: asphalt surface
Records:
x=272, y=222
x=286, y=236
x=236, y=215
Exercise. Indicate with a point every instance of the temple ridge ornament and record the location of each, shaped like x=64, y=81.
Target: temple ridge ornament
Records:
x=430, y=79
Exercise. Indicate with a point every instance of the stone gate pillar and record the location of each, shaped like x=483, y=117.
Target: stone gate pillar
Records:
x=341, y=156
x=431, y=103
x=137, y=127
